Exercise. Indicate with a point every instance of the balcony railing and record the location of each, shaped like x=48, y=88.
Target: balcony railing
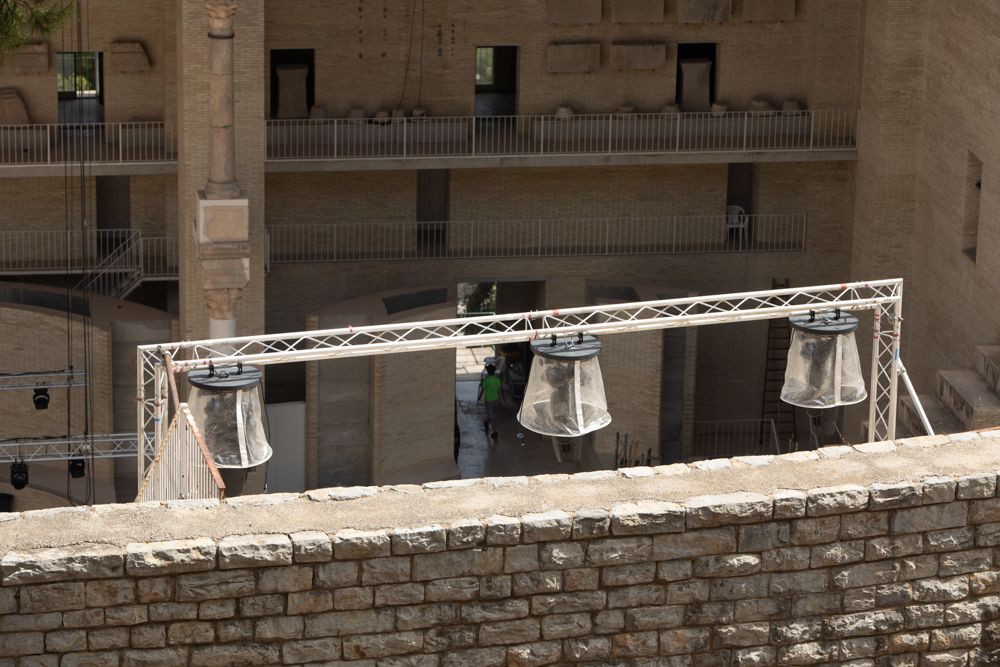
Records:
x=729, y=438
x=91, y=142
x=661, y=133
x=371, y=241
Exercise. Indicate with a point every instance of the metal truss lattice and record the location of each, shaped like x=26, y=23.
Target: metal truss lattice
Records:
x=884, y=297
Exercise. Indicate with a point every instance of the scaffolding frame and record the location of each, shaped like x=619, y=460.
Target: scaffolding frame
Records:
x=884, y=298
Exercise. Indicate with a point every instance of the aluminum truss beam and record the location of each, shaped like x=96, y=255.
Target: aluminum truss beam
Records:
x=42, y=380
x=883, y=298
x=109, y=446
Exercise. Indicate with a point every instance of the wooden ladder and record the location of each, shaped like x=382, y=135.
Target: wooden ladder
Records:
x=783, y=414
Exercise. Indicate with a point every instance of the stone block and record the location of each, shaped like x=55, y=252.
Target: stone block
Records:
x=356, y=597
x=397, y=594
x=148, y=636
x=311, y=650
x=466, y=533
x=238, y=551
x=560, y=626
x=637, y=11
x=425, y=539
x=110, y=593
x=509, y=632
x=837, y=500
x=173, y=611
x=235, y=654
x=481, y=657
x=617, y=551
x=864, y=524
x=785, y=560
x=703, y=11
x=868, y=574
x=585, y=649
x=726, y=565
x=895, y=496
x=547, y=526
x=216, y=609
x=504, y=610
x=982, y=485
x=392, y=570
x=224, y=221
x=457, y=589
x=581, y=579
x=128, y=57
x=343, y=623
x=574, y=12
x=647, y=517
x=867, y=623
x=765, y=536
x=503, y=530
x=155, y=589
x=881, y=548
x=629, y=575
x=32, y=59
x=87, y=561
x=173, y=557
x=51, y=597
x=578, y=58
x=628, y=57
x=464, y=563
x=531, y=583
x=336, y=574
x=571, y=603
x=561, y=555
x=789, y=504
x=311, y=546
x=285, y=579
x=951, y=539
x=635, y=644
x=939, y=490
x=768, y=10
x=590, y=523
x=212, y=585
x=742, y=634
x=837, y=553
x=351, y=544
x=798, y=583
x=192, y=632
x=930, y=517
x=732, y=508
x=815, y=531
x=684, y=642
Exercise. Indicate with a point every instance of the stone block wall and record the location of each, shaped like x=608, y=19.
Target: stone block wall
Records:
x=893, y=565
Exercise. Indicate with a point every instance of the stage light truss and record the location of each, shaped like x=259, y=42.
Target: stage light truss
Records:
x=882, y=297
x=42, y=379
x=105, y=446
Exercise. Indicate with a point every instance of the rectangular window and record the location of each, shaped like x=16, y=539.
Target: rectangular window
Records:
x=973, y=194
x=484, y=66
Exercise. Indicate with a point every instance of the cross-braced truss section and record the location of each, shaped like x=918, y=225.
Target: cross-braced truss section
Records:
x=105, y=446
x=42, y=380
x=884, y=297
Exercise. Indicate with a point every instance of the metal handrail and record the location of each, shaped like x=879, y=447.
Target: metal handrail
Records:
x=51, y=144
x=379, y=241
x=470, y=136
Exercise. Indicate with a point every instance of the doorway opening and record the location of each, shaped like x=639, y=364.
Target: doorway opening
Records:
x=514, y=450
x=739, y=205
x=293, y=82
x=80, y=86
x=433, y=186
x=696, y=74
x=496, y=81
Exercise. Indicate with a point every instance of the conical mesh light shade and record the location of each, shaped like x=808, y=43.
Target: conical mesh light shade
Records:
x=824, y=368
x=565, y=396
x=228, y=409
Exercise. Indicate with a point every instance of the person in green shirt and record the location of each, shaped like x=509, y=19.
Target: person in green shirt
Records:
x=490, y=391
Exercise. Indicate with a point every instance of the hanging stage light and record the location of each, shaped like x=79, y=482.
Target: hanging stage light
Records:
x=824, y=369
x=227, y=406
x=41, y=398
x=565, y=393
x=19, y=474
x=77, y=468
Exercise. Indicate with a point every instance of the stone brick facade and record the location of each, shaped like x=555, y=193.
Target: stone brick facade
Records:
x=895, y=565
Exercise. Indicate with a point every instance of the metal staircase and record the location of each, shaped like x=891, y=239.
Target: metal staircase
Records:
x=119, y=272
x=780, y=414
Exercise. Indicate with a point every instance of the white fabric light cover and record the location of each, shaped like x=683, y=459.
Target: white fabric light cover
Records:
x=823, y=371
x=564, y=399
x=232, y=425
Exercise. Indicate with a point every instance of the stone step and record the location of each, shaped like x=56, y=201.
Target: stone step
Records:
x=987, y=364
x=965, y=393
x=941, y=418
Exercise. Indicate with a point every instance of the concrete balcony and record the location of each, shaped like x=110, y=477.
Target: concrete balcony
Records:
x=375, y=241
x=532, y=141
x=106, y=148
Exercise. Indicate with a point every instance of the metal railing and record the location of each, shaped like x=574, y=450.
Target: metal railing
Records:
x=105, y=446
x=154, y=141
x=56, y=251
x=119, y=272
x=372, y=241
x=159, y=257
x=728, y=438
x=182, y=468
x=735, y=131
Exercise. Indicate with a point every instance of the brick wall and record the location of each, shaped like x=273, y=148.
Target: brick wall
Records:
x=893, y=566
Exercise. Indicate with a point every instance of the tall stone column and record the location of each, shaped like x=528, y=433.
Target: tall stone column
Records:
x=222, y=147
x=223, y=216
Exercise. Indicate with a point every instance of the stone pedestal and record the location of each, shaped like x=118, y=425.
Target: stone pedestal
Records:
x=696, y=85
x=292, y=91
x=222, y=235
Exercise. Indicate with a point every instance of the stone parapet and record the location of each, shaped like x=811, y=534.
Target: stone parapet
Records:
x=750, y=562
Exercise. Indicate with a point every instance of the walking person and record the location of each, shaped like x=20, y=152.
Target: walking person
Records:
x=490, y=392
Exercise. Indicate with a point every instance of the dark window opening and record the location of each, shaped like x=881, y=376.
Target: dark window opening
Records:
x=80, y=86
x=496, y=80
x=432, y=211
x=739, y=204
x=973, y=195
x=696, y=74
x=293, y=82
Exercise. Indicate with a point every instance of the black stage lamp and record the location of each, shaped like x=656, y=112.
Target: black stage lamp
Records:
x=41, y=398
x=77, y=468
x=19, y=474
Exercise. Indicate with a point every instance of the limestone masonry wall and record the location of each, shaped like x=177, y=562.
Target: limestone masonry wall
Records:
x=895, y=565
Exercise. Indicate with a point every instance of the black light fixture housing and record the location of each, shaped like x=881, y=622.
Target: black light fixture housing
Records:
x=41, y=398
x=19, y=474
x=77, y=468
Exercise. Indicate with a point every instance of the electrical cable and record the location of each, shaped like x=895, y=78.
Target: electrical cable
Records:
x=409, y=53
x=420, y=66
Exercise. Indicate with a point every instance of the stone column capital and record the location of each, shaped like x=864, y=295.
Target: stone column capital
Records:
x=220, y=17
x=221, y=303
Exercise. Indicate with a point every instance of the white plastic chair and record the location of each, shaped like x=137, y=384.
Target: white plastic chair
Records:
x=737, y=221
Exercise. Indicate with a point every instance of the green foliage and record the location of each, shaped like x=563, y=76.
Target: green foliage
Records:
x=22, y=21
